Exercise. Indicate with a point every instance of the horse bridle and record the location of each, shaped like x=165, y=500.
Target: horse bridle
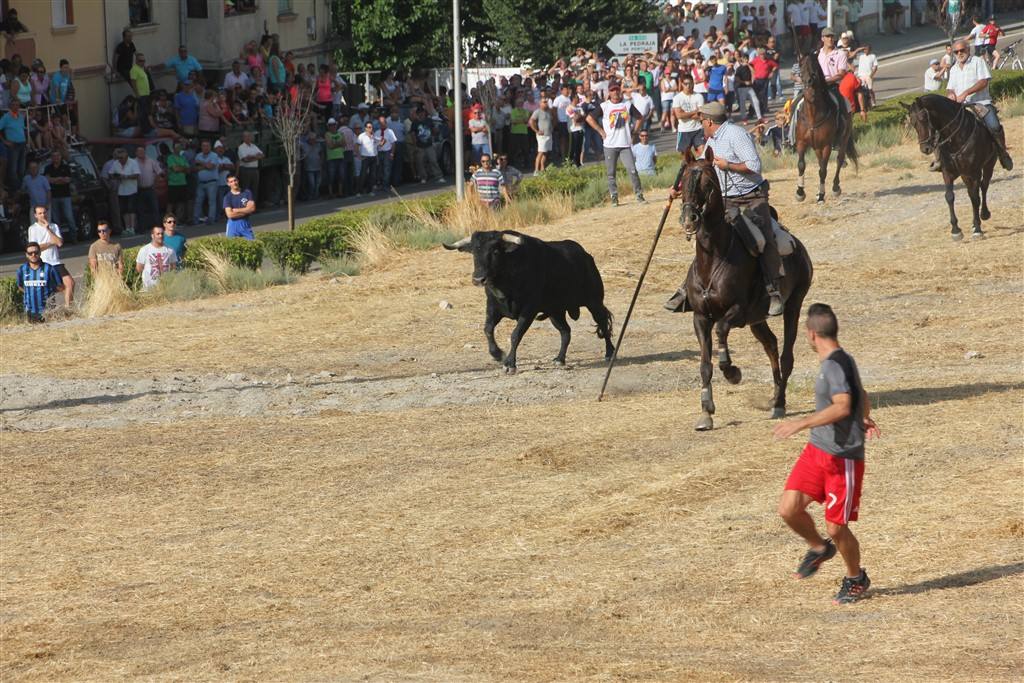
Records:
x=935, y=138
x=692, y=213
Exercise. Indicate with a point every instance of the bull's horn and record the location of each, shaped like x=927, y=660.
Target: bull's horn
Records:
x=458, y=245
x=514, y=239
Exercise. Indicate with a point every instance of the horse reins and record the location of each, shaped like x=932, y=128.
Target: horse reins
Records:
x=936, y=134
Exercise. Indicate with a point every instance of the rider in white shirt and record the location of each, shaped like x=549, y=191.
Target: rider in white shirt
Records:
x=968, y=84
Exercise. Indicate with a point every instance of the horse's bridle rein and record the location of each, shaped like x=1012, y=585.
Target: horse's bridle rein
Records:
x=693, y=214
x=935, y=138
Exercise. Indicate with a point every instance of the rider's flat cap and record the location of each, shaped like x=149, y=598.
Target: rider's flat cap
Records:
x=714, y=110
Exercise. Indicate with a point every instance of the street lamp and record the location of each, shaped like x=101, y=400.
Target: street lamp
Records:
x=460, y=179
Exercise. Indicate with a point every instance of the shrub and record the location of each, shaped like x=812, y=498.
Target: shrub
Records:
x=131, y=279
x=235, y=279
x=240, y=252
x=294, y=251
x=10, y=298
x=181, y=285
x=342, y=265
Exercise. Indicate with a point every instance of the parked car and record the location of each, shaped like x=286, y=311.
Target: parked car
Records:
x=88, y=200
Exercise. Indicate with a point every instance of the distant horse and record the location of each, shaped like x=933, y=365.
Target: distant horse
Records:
x=822, y=123
x=725, y=290
x=966, y=150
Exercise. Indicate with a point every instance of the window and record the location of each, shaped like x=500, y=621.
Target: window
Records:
x=62, y=13
x=140, y=12
x=197, y=9
x=284, y=6
x=240, y=7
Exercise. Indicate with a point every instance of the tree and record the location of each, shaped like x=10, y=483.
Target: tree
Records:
x=400, y=34
x=289, y=123
x=543, y=30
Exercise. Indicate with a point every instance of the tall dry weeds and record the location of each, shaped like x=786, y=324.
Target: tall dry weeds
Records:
x=217, y=267
x=109, y=294
x=373, y=243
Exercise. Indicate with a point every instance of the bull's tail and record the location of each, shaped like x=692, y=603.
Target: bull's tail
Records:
x=603, y=331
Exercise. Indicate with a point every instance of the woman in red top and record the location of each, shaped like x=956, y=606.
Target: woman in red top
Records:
x=323, y=92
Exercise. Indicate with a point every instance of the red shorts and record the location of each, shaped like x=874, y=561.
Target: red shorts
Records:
x=823, y=476
x=803, y=31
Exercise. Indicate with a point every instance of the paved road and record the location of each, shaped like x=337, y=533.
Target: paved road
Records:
x=901, y=70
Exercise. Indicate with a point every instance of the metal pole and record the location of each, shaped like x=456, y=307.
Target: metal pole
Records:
x=460, y=179
x=829, y=12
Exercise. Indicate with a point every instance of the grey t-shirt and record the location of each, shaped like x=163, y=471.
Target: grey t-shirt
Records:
x=544, y=120
x=844, y=439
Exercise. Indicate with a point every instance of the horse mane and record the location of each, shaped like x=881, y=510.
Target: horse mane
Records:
x=811, y=74
x=938, y=104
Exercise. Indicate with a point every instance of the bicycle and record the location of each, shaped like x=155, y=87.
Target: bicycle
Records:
x=1010, y=57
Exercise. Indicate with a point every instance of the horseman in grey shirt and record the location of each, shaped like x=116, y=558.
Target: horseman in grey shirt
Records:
x=744, y=189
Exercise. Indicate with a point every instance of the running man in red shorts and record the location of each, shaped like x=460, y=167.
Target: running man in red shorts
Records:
x=830, y=471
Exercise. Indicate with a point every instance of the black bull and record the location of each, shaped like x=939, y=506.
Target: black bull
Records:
x=528, y=279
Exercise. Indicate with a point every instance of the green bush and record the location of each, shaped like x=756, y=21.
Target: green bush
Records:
x=10, y=298
x=891, y=113
x=131, y=278
x=294, y=251
x=239, y=252
x=559, y=180
x=181, y=285
x=332, y=239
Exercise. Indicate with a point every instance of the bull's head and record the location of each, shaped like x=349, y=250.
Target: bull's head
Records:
x=488, y=249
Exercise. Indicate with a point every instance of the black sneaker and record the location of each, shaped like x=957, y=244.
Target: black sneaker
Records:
x=640, y=199
x=852, y=590
x=813, y=560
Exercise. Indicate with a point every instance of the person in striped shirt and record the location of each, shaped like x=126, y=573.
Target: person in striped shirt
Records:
x=37, y=281
x=489, y=184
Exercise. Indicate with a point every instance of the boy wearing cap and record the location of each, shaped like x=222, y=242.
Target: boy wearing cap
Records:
x=933, y=76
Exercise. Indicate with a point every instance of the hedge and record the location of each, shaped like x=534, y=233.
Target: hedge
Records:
x=240, y=252
x=891, y=112
x=10, y=297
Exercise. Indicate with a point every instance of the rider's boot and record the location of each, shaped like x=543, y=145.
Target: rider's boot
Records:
x=1004, y=156
x=771, y=265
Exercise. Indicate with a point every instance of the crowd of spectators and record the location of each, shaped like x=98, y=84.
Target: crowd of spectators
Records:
x=212, y=131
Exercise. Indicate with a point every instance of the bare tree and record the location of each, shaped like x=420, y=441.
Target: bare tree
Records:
x=289, y=123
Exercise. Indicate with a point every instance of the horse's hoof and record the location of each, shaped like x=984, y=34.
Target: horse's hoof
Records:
x=977, y=235
x=837, y=191
x=732, y=374
x=558, y=361
x=705, y=423
x=800, y=196
x=778, y=413
x=821, y=199
x=985, y=214
x=510, y=369
x=957, y=235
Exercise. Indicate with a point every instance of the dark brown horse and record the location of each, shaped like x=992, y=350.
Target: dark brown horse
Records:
x=822, y=124
x=966, y=150
x=725, y=290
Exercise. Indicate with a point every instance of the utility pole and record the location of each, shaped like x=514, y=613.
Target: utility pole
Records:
x=460, y=178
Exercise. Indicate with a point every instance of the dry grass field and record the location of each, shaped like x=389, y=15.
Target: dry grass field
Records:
x=332, y=480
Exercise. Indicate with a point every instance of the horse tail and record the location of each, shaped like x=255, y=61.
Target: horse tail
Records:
x=851, y=148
